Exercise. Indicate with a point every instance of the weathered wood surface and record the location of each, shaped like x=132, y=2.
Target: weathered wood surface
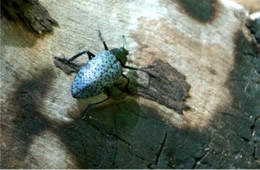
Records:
x=31, y=12
x=206, y=45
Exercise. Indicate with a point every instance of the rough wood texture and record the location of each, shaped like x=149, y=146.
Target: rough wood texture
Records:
x=204, y=47
x=31, y=12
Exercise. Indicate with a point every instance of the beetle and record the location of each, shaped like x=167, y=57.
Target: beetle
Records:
x=99, y=73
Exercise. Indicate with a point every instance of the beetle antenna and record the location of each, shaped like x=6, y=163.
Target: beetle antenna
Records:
x=101, y=38
x=124, y=41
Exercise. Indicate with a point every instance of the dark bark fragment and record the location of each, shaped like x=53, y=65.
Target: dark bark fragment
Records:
x=31, y=12
x=165, y=85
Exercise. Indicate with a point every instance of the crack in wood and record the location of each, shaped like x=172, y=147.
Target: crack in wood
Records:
x=115, y=156
x=111, y=134
x=119, y=138
x=253, y=127
x=161, y=148
x=83, y=145
x=199, y=159
x=155, y=163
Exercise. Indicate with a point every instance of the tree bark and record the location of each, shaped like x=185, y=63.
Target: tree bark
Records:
x=193, y=102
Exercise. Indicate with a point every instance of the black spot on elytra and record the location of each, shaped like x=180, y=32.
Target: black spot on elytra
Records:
x=202, y=10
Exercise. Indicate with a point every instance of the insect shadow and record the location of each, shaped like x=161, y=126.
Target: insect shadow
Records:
x=98, y=75
x=110, y=125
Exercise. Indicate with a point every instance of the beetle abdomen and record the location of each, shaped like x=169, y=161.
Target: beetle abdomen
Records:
x=100, y=72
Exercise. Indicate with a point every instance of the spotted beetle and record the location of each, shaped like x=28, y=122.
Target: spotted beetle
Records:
x=99, y=73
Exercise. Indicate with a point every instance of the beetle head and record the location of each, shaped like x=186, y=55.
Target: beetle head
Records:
x=120, y=54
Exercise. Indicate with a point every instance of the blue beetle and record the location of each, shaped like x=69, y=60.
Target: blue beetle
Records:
x=99, y=73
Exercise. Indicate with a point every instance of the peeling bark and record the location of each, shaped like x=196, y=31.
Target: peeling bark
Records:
x=31, y=12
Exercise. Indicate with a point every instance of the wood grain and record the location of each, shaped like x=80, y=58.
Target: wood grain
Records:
x=205, y=63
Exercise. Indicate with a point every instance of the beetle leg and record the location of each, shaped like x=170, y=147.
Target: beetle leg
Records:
x=126, y=86
x=90, y=55
x=125, y=66
x=101, y=38
x=128, y=67
x=94, y=104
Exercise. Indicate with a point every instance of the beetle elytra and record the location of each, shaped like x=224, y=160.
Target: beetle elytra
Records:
x=99, y=73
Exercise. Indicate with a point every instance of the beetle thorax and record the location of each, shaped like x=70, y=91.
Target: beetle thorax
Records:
x=120, y=54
